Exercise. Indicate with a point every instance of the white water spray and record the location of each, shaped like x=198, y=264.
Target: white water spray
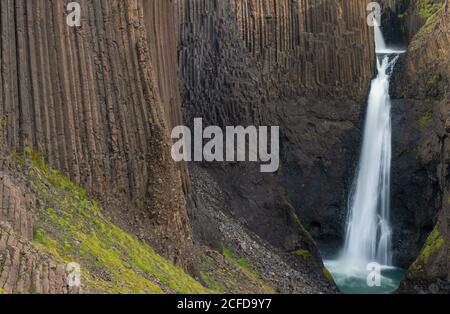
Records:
x=380, y=44
x=368, y=236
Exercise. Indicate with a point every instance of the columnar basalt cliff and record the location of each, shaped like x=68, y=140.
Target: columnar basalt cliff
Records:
x=308, y=46
x=302, y=65
x=423, y=96
x=97, y=102
x=86, y=173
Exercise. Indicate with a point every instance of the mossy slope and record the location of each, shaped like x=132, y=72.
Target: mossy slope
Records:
x=228, y=273
x=433, y=245
x=72, y=228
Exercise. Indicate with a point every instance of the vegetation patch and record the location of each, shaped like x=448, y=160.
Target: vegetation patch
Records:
x=327, y=275
x=433, y=244
x=428, y=8
x=73, y=228
x=426, y=118
x=242, y=273
x=305, y=254
x=430, y=11
x=212, y=282
x=241, y=261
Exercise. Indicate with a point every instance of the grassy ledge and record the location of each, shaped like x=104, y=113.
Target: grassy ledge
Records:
x=72, y=228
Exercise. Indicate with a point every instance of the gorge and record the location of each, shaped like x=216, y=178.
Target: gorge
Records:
x=87, y=175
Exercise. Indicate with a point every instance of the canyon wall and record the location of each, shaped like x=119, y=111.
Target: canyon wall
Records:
x=97, y=101
x=307, y=46
x=422, y=92
x=285, y=47
x=303, y=65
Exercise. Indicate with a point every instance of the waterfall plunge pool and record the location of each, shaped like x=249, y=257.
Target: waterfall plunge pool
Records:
x=354, y=281
x=368, y=236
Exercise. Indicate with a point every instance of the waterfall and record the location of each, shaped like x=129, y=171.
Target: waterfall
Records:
x=368, y=236
x=380, y=44
x=369, y=233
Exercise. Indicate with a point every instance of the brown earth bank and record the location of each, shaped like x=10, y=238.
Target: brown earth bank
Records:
x=97, y=104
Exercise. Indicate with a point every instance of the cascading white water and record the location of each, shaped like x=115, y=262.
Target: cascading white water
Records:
x=380, y=44
x=368, y=236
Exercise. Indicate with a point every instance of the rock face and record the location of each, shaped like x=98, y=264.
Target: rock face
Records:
x=302, y=65
x=26, y=269
x=98, y=101
x=415, y=195
x=23, y=266
x=423, y=92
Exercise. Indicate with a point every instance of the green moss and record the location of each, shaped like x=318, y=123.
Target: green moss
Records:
x=428, y=8
x=245, y=267
x=433, y=244
x=18, y=158
x=295, y=217
x=241, y=261
x=426, y=118
x=3, y=122
x=228, y=276
x=430, y=11
x=327, y=275
x=74, y=229
x=305, y=254
x=27, y=151
x=213, y=283
x=2, y=291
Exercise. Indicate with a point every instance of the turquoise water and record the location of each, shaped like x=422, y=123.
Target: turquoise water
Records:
x=356, y=282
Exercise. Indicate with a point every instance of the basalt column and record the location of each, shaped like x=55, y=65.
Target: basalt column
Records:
x=424, y=96
x=97, y=102
x=303, y=65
